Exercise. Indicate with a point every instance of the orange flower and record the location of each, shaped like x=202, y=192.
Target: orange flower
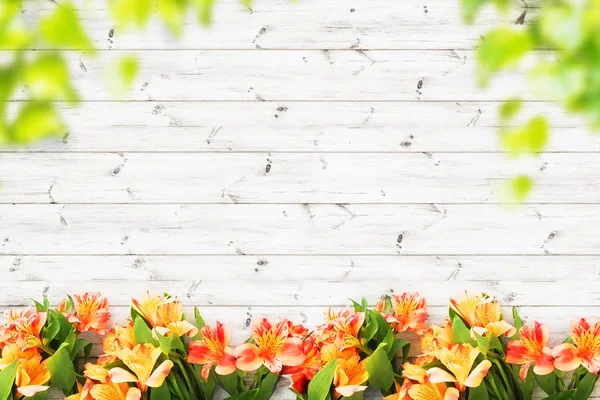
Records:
x=273, y=347
x=164, y=314
x=530, y=350
x=117, y=339
x=585, y=349
x=91, y=312
x=141, y=360
x=32, y=372
x=410, y=312
x=23, y=327
x=483, y=314
x=417, y=386
x=350, y=373
x=435, y=338
x=98, y=386
x=459, y=360
x=213, y=349
x=341, y=328
x=303, y=373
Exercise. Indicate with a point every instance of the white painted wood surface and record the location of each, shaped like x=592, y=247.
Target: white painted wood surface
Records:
x=372, y=165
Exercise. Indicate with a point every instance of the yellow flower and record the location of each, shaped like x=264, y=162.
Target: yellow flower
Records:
x=32, y=373
x=459, y=360
x=141, y=360
x=164, y=314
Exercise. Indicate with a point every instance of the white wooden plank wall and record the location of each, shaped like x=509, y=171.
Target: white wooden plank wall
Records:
x=295, y=155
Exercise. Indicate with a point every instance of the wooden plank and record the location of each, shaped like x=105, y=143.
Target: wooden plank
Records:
x=315, y=293
x=306, y=24
x=291, y=178
x=306, y=75
x=274, y=269
x=302, y=126
x=376, y=229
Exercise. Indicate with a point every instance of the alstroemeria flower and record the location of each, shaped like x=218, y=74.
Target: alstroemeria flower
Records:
x=164, y=314
x=459, y=360
x=32, y=373
x=435, y=338
x=585, y=349
x=273, y=347
x=117, y=339
x=98, y=386
x=432, y=392
x=482, y=314
x=91, y=312
x=350, y=373
x=141, y=360
x=341, y=328
x=213, y=349
x=303, y=373
x=531, y=349
x=489, y=319
x=65, y=308
x=24, y=327
x=410, y=313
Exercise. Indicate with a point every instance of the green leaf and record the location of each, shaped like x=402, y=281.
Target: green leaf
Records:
x=230, y=383
x=518, y=324
x=143, y=333
x=47, y=78
x=509, y=109
x=128, y=68
x=160, y=393
x=36, y=120
x=562, y=25
x=516, y=190
x=381, y=374
x=501, y=48
x=531, y=138
x=247, y=395
x=247, y=3
x=483, y=343
x=546, y=382
x=470, y=9
x=63, y=29
x=204, y=10
x=460, y=332
x=568, y=395
x=585, y=387
x=267, y=386
x=164, y=342
x=61, y=369
x=80, y=344
x=131, y=12
x=199, y=323
x=172, y=13
x=478, y=393
x=320, y=385
x=7, y=379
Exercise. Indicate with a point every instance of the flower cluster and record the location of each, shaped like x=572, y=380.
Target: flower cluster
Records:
x=157, y=354
x=40, y=344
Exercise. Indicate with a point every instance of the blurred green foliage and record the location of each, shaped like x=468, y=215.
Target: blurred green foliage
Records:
x=31, y=83
x=564, y=45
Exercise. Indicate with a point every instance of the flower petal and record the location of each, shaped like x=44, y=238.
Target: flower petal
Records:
x=291, y=352
x=476, y=376
x=565, y=357
x=29, y=391
x=120, y=375
x=347, y=391
x=247, y=358
x=452, y=394
x=199, y=353
x=438, y=375
x=159, y=375
x=226, y=365
x=133, y=394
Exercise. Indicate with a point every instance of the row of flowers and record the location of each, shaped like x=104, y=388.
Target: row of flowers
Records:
x=157, y=355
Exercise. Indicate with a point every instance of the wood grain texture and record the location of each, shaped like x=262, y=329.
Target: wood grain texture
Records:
x=292, y=178
x=293, y=156
x=307, y=24
x=303, y=127
x=306, y=75
x=377, y=229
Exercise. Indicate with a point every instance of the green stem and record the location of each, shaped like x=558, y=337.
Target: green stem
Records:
x=186, y=378
x=173, y=382
x=495, y=388
x=508, y=382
